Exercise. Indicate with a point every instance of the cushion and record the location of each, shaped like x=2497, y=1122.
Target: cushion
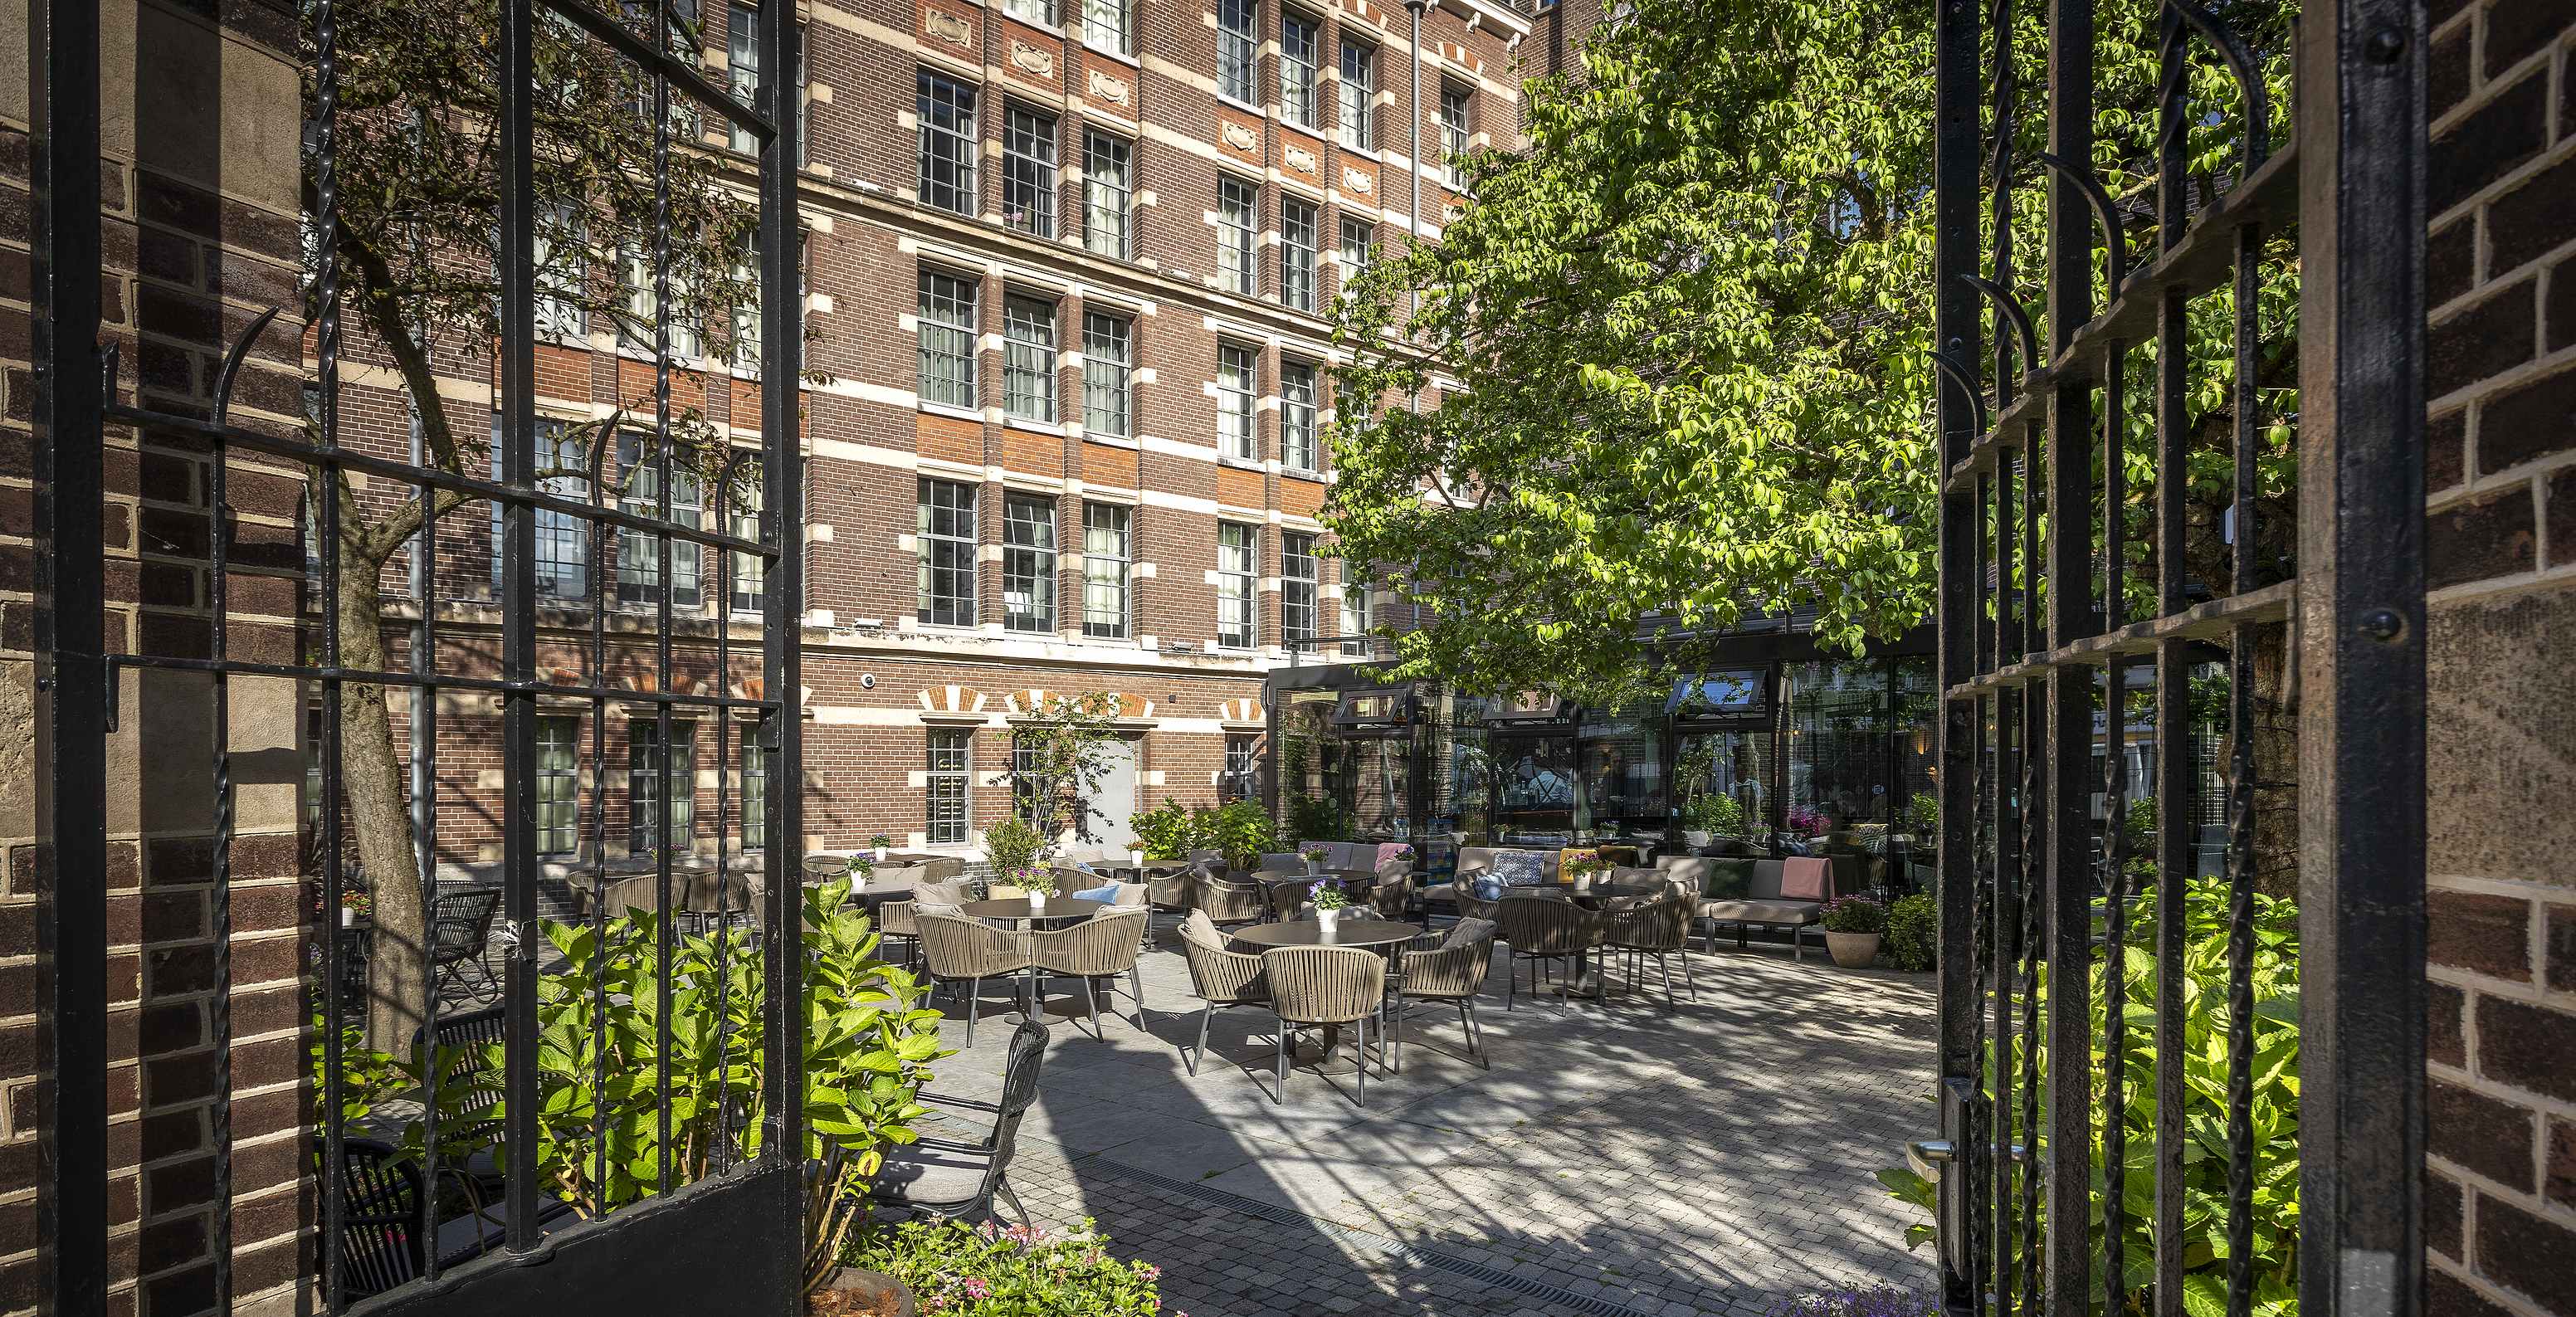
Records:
x=1466, y=932
x=1805, y=878
x=1618, y=904
x=1486, y=887
x=1386, y=855
x=1516, y=868
x=1198, y=927
x=1108, y=893
x=1761, y=912
x=1727, y=878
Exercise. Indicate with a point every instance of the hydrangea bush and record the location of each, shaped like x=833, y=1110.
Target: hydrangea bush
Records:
x=957, y=1270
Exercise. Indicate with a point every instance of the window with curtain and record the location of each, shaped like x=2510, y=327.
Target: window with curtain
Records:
x=748, y=595
x=1108, y=370
x=1358, y=89
x=1234, y=49
x=946, y=542
x=562, y=539
x=1107, y=24
x=947, y=112
x=1028, y=562
x=1297, y=255
x=1237, y=382
x=1297, y=587
x=635, y=281
x=1028, y=358
x=1107, y=547
x=1028, y=171
x=1238, y=213
x=1297, y=416
x=1457, y=130
x=1106, y=192
x=742, y=67
x=560, y=265
x=950, y=764
x=755, y=794
x=1297, y=70
x=1040, y=12
x=558, y=785
x=639, y=556
x=661, y=786
x=1355, y=617
x=1238, y=571
x=1359, y=244
x=746, y=313
x=946, y=327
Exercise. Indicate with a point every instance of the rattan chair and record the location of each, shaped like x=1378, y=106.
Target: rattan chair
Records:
x=1316, y=987
x=1226, y=902
x=969, y=951
x=1472, y=906
x=1547, y=931
x=1287, y=897
x=1449, y=966
x=942, y=1177
x=1392, y=895
x=1658, y=927
x=1103, y=946
x=1220, y=978
x=901, y=919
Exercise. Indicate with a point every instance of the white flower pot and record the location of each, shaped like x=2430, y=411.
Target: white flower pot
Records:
x=1330, y=919
x=881, y=854
x=1037, y=899
x=1314, y=868
x=348, y=917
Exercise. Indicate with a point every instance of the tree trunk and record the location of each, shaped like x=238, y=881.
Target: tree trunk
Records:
x=371, y=775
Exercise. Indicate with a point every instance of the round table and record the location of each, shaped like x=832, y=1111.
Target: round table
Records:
x=1377, y=935
x=1063, y=907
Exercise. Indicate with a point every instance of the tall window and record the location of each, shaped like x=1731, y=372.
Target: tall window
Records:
x=661, y=785
x=1355, y=616
x=947, y=111
x=639, y=556
x=1041, y=12
x=746, y=313
x=1028, y=562
x=558, y=784
x=1238, y=207
x=563, y=539
x=1109, y=358
x=1359, y=244
x=1456, y=130
x=1107, y=544
x=1234, y=48
x=749, y=594
x=1028, y=358
x=1297, y=580
x=1297, y=70
x=755, y=795
x=742, y=66
x=1237, y=378
x=560, y=266
x=1297, y=255
x=1359, y=88
x=1105, y=23
x=950, y=760
x=947, y=331
x=1242, y=764
x=1105, y=194
x=1028, y=172
x=1238, y=566
x=1296, y=416
x=946, y=539
x=635, y=278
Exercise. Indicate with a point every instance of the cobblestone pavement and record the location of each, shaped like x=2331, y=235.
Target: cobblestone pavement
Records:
x=1708, y=1157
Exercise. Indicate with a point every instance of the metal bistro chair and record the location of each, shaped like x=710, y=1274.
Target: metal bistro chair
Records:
x=469, y=1033
x=380, y=1237
x=1447, y=966
x=969, y=951
x=1314, y=987
x=1103, y=946
x=943, y=1177
x=1660, y=927
x=1545, y=931
x=460, y=929
x=1218, y=977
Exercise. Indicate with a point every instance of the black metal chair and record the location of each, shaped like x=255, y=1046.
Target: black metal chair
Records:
x=942, y=1177
x=460, y=930
x=381, y=1245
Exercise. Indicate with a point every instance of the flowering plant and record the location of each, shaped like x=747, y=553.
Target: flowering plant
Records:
x=1399, y=853
x=1811, y=822
x=1328, y=895
x=861, y=865
x=1578, y=863
x=358, y=901
x=1318, y=854
x=880, y=841
x=1854, y=914
x=957, y=1270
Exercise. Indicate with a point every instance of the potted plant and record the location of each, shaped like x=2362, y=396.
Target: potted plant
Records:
x=860, y=868
x=1314, y=856
x=1580, y=869
x=882, y=843
x=1329, y=900
x=1034, y=883
x=1853, y=927
x=355, y=904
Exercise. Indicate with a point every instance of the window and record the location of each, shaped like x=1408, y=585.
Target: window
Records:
x=947, y=112
x=1242, y=767
x=639, y=556
x=558, y=784
x=1358, y=245
x=1106, y=544
x=746, y=313
x=661, y=785
x=1028, y=358
x=1355, y=615
x=1109, y=356
x=1456, y=131
x=946, y=538
x=1359, y=87
x=1237, y=378
x=947, y=330
x=1237, y=203
x=804, y=97
x=559, y=272
x=755, y=794
x=1296, y=416
x=749, y=572
x=1297, y=577
x=742, y=65
x=563, y=539
x=1104, y=24
x=1297, y=256
x=1028, y=562
x=1105, y=193
x=1297, y=70
x=1040, y=12
x=950, y=760
x=1234, y=49
x=635, y=276
x=1028, y=172
x=1238, y=564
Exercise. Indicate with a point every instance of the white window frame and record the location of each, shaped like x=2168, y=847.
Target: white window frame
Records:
x=1298, y=76
x=1238, y=577
x=1028, y=175
x=1296, y=257
x=1238, y=393
x=945, y=330
x=1238, y=235
x=1297, y=430
x=1028, y=358
x=1108, y=194
x=1356, y=102
x=1108, y=374
x=958, y=195
x=1108, y=567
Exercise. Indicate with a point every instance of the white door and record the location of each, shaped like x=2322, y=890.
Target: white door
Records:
x=1109, y=803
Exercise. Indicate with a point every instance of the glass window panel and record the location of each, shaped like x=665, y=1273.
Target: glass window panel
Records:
x=1028, y=358
x=1237, y=381
x=1028, y=172
x=948, y=143
x=636, y=332
x=1297, y=70
x=1457, y=128
x=1298, y=579
x=1238, y=210
x=1234, y=48
x=1238, y=569
x=1358, y=91
x=1107, y=542
x=1297, y=256
x=1028, y=562
x=562, y=538
x=947, y=334
x=1105, y=23
x=639, y=556
x=946, y=542
x=661, y=787
x=755, y=796
x=558, y=816
x=1041, y=12
x=749, y=594
x=1355, y=618
x=1106, y=190
x=1297, y=416
x=742, y=67
x=951, y=762
x=1108, y=370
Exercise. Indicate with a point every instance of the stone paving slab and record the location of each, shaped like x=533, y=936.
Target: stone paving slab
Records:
x=1707, y=1157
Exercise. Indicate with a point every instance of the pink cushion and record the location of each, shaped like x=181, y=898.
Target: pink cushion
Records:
x=1805, y=878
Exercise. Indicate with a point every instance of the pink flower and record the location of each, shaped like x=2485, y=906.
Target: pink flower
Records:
x=976, y=1289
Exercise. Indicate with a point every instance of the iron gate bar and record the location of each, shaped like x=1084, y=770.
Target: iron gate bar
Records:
x=2220, y=616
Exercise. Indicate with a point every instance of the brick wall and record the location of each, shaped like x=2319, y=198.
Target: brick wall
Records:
x=2501, y=472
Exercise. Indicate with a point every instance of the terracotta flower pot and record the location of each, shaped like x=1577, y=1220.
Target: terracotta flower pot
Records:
x=1853, y=950
x=850, y=1292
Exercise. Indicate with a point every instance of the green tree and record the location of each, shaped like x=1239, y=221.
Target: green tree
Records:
x=1060, y=750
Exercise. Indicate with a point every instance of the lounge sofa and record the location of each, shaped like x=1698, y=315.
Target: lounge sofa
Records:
x=1744, y=892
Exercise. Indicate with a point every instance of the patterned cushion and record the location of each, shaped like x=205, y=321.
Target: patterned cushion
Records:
x=1517, y=868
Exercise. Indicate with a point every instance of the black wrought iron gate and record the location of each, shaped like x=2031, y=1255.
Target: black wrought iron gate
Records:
x=2067, y=1094
x=730, y=1242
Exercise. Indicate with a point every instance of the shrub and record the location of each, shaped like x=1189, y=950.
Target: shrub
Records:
x=1241, y=830
x=1716, y=814
x=1318, y=818
x=1854, y=914
x=957, y=1270
x=1012, y=844
x=1912, y=925
x=1867, y=1301
x=1166, y=832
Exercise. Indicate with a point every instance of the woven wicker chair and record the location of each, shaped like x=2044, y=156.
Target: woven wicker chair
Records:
x=1455, y=973
x=1287, y=897
x=1392, y=897
x=969, y=951
x=941, y=1177
x=1659, y=927
x=1219, y=978
x=1226, y=902
x=1103, y=946
x=900, y=919
x=1472, y=906
x=1170, y=892
x=1315, y=987
x=1547, y=931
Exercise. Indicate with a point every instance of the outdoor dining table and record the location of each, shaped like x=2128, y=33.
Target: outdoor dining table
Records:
x=1020, y=908
x=1378, y=935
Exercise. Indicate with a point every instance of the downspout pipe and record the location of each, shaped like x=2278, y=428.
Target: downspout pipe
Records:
x=1413, y=211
